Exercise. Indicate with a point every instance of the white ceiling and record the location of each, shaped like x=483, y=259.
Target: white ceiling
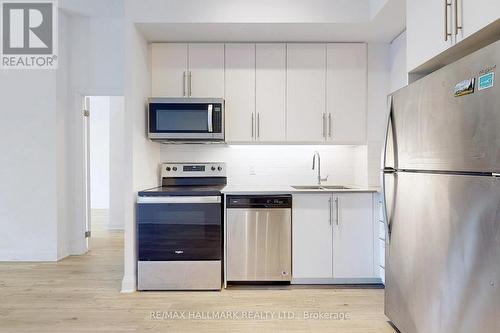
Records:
x=388, y=21
x=93, y=8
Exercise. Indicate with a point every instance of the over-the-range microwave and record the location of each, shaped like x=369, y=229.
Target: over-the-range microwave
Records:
x=186, y=119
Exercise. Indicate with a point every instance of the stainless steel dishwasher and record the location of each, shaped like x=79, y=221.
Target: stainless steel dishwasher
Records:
x=259, y=238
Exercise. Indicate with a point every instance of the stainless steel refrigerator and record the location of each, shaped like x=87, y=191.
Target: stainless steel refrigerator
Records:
x=441, y=190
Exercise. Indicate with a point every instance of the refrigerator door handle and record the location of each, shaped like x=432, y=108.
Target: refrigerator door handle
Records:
x=388, y=170
x=387, y=224
x=390, y=129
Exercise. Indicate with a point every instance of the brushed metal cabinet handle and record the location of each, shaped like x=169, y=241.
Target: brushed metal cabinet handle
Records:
x=446, y=33
x=253, y=130
x=330, y=125
x=337, y=206
x=258, y=125
x=330, y=208
x=184, y=84
x=457, y=25
x=324, y=125
x=189, y=84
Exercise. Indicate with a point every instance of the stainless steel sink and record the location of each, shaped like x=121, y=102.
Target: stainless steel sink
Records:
x=320, y=187
x=308, y=187
x=335, y=187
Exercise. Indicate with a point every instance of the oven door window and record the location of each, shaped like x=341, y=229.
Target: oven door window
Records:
x=178, y=118
x=187, y=231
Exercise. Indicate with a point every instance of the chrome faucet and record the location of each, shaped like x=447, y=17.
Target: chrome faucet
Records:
x=319, y=168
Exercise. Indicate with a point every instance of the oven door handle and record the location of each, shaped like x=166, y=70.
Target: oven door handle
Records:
x=210, y=118
x=179, y=200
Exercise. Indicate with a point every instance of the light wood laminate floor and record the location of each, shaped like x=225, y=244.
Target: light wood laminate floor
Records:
x=82, y=294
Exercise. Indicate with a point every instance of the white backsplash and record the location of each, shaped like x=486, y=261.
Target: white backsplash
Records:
x=276, y=164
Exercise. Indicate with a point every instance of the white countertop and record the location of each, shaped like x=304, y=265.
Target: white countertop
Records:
x=287, y=189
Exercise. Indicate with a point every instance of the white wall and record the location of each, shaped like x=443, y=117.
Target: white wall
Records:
x=41, y=187
x=99, y=152
x=141, y=156
x=64, y=171
x=271, y=164
x=28, y=168
x=117, y=156
x=96, y=60
x=399, y=75
x=378, y=89
x=106, y=56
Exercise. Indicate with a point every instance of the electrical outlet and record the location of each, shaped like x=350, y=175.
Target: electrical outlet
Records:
x=251, y=170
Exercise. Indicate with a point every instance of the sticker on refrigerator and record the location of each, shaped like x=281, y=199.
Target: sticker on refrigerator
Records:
x=464, y=87
x=486, y=81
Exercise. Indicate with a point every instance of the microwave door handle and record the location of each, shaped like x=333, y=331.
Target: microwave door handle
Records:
x=210, y=119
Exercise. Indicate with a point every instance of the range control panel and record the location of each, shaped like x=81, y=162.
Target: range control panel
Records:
x=169, y=170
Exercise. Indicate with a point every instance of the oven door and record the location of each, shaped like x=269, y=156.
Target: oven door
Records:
x=179, y=228
x=187, y=119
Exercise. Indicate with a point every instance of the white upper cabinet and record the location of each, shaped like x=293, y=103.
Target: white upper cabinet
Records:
x=428, y=30
x=473, y=15
x=312, y=255
x=206, y=70
x=306, y=89
x=270, y=89
x=274, y=92
x=169, y=62
x=432, y=26
x=240, y=92
x=346, y=92
x=353, y=236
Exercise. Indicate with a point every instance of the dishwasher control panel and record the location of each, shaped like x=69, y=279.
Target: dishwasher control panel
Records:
x=259, y=201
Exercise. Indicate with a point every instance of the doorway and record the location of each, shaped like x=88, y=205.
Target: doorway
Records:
x=103, y=154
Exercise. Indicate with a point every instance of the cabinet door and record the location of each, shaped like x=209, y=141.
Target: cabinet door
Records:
x=346, y=92
x=353, y=236
x=240, y=92
x=206, y=67
x=270, y=92
x=311, y=236
x=306, y=84
x=169, y=63
x=425, y=30
x=473, y=15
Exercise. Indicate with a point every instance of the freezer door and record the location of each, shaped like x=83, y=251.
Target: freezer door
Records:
x=438, y=131
x=442, y=263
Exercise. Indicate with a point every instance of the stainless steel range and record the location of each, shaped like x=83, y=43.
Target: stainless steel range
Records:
x=179, y=226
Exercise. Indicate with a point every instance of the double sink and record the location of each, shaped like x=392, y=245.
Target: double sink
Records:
x=321, y=187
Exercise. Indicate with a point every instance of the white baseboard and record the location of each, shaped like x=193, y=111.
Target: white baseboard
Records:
x=336, y=281
x=28, y=256
x=129, y=284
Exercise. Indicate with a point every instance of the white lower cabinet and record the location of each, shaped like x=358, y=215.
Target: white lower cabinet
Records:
x=312, y=255
x=353, y=236
x=333, y=238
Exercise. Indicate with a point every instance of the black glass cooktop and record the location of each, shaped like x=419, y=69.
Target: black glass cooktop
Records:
x=182, y=191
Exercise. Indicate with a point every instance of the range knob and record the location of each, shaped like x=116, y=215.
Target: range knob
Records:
x=174, y=168
x=167, y=168
x=212, y=168
x=219, y=168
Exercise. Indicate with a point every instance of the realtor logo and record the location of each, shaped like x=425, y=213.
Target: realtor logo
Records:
x=29, y=34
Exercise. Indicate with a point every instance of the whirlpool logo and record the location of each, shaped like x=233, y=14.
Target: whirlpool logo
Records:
x=29, y=34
